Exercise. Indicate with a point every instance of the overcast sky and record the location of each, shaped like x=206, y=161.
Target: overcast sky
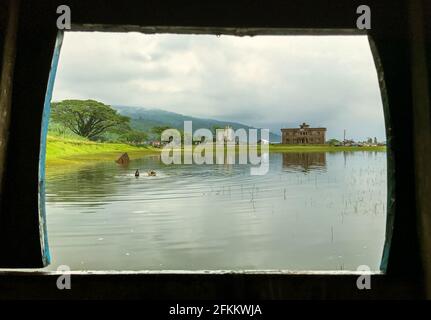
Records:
x=266, y=81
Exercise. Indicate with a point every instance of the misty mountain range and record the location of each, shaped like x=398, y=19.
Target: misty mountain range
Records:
x=144, y=119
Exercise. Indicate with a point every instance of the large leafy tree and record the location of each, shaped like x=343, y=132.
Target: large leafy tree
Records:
x=159, y=130
x=88, y=118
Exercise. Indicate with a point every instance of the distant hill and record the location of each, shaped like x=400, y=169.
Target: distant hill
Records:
x=144, y=119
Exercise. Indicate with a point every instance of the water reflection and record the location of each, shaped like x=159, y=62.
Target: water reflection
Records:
x=311, y=211
x=305, y=161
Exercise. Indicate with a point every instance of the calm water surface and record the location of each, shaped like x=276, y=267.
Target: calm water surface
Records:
x=312, y=211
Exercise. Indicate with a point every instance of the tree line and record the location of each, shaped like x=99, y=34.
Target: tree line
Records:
x=94, y=120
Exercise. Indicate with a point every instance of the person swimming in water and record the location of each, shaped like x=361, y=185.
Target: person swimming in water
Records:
x=137, y=173
x=152, y=173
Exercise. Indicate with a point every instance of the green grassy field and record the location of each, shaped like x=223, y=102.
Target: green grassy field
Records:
x=64, y=151
x=68, y=151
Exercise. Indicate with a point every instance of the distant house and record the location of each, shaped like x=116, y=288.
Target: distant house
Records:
x=349, y=143
x=303, y=135
x=156, y=144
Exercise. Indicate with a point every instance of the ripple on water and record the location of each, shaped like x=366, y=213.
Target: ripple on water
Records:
x=298, y=216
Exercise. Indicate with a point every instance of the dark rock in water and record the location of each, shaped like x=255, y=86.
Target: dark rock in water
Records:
x=124, y=159
x=137, y=173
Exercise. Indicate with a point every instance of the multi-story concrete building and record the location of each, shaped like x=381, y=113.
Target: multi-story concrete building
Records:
x=303, y=135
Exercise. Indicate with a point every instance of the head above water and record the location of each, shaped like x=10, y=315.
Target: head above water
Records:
x=152, y=173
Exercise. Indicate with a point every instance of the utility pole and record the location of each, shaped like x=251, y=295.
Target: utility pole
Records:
x=344, y=140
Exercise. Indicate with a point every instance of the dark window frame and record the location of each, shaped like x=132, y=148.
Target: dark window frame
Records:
x=19, y=224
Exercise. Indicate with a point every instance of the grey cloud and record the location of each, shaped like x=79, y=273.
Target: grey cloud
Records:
x=262, y=81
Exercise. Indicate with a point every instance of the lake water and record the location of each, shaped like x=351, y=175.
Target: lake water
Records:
x=312, y=211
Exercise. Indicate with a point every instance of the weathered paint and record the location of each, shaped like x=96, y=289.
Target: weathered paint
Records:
x=240, y=32
x=390, y=203
x=46, y=257
x=196, y=272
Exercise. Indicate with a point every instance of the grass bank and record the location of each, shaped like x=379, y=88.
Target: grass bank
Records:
x=67, y=151
x=64, y=151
